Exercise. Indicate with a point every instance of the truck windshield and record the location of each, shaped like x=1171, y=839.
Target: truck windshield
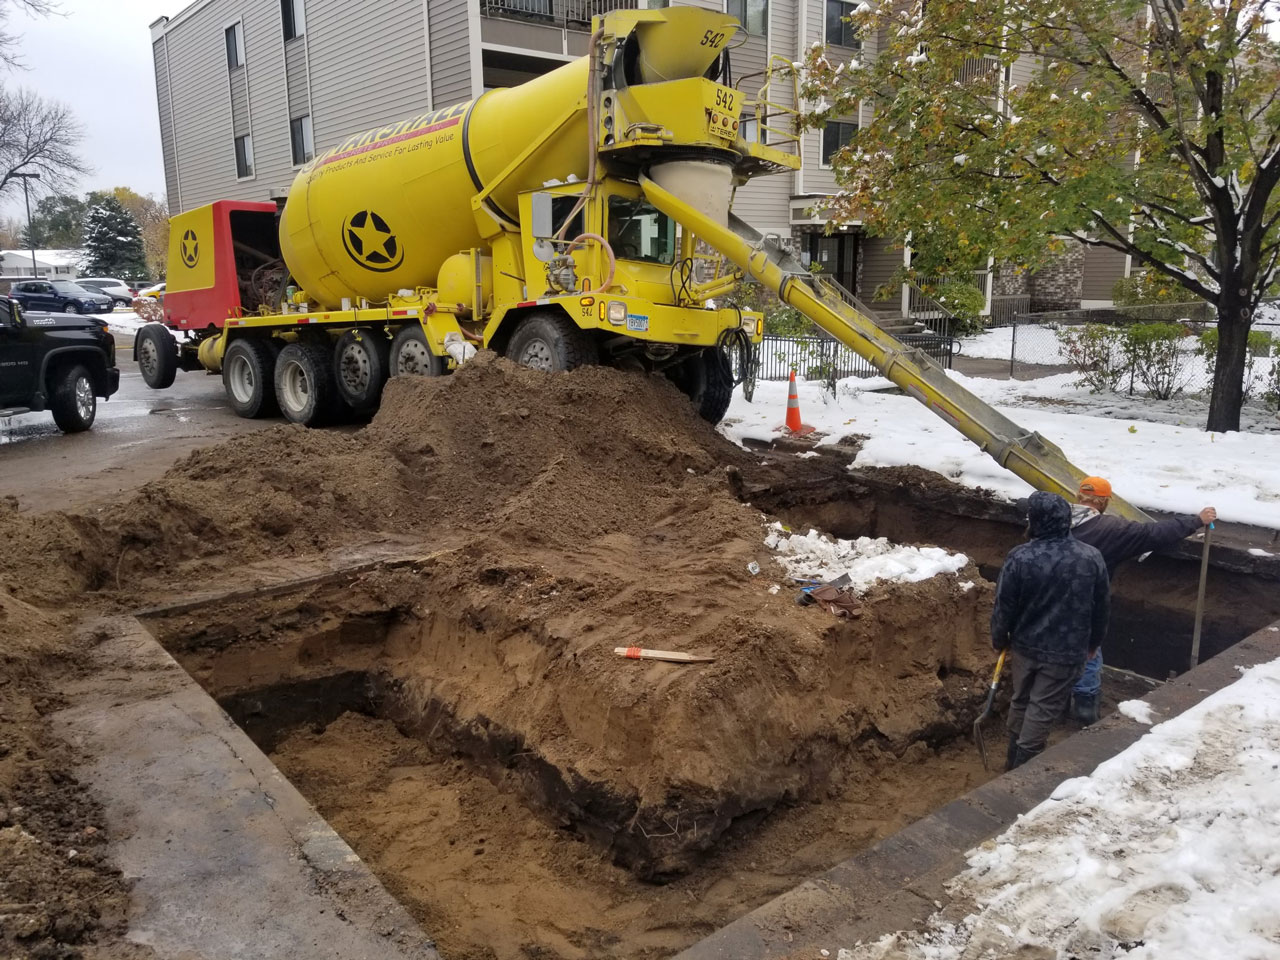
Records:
x=637, y=231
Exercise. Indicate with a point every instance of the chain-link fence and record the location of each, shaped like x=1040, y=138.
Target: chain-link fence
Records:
x=1160, y=350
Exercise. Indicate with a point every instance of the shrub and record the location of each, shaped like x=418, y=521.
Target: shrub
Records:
x=1145, y=287
x=783, y=321
x=1258, y=345
x=1271, y=385
x=1097, y=352
x=965, y=302
x=1157, y=358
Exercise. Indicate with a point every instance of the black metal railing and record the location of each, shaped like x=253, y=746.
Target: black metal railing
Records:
x=563, y=13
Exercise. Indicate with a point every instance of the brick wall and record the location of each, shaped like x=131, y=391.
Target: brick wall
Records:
x=1058, y=284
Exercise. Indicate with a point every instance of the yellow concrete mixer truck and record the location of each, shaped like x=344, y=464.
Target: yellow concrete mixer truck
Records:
x=515, y=221
x=581, y=217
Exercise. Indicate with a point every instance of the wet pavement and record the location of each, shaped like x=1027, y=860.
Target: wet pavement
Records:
x=139, y=433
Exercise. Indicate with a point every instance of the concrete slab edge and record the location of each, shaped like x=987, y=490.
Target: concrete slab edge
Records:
x=226, y=857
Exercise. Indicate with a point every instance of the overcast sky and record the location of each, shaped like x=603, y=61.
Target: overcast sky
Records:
x=96, y=57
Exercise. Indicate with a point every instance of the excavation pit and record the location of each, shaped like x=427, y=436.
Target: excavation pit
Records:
x=531, y=794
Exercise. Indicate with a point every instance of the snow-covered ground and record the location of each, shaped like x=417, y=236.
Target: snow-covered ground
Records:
x=1168, y=851
x=122, y=322
x=1159, y=466
x=1038, y=341
x=866, y=560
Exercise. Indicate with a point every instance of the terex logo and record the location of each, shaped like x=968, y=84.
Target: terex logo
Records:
x=190, y=248
x=369, y=241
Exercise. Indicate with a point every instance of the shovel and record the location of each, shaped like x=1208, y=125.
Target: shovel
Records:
x=1204, y=574
x=991, y=699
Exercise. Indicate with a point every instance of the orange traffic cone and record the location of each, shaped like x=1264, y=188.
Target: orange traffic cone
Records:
x=794, y=425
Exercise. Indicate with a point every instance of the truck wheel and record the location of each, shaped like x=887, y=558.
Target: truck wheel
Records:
x=248, y=372
x=157, y=354
x=550, y=342
x=304, y=384
x=360, y=364
x=708, y=380
x=73, y=404
x=411, y=357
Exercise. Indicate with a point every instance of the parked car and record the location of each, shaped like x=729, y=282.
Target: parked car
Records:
x=59, y=296
x=119, y=291
x=56, y=363
x=155, y=290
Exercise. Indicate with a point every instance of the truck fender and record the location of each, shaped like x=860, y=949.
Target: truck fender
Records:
x=93, y=359
x=497, y=339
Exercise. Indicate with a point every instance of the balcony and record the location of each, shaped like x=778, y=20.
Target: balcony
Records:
x=565, y=14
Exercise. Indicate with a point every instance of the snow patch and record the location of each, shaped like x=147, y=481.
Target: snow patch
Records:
x=1138, y=710
x=865, y=560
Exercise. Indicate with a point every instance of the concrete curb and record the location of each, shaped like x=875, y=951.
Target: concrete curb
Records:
x=899, y=882
x=227, y=859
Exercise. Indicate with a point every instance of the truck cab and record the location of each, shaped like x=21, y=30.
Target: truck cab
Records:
x=55, y=362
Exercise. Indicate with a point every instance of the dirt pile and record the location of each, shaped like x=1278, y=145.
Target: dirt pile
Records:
x=568, y=515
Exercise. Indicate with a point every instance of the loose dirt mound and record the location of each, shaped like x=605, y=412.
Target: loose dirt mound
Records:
x=567, y=515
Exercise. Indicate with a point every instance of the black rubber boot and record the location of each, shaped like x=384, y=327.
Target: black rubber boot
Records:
x=1084, y=708
x=1011, y=758
x=1021, y=756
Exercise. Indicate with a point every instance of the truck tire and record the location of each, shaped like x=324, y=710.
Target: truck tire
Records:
x=248, y=377
x=707, y=378
x=304, y=384
x=157, y=354
x=411, y=357
x=72, y=400
x=361, y=362
x=550, y=342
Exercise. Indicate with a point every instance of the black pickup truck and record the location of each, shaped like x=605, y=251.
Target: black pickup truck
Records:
x=56, y=362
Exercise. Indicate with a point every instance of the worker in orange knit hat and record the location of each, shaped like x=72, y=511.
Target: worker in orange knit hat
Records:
x=1117, y=539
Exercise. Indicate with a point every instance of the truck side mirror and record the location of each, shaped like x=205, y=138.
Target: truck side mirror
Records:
x=8, y=315
x=542, y=222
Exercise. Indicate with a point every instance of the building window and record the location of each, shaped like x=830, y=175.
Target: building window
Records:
x=235, y=46
x=752, y=14
x=301, y=140
x=752, y=132
x=840, y=32
x=835, y=135
x=244, y=156
x=294, y=18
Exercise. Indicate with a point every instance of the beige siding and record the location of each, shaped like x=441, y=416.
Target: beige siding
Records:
x=1021, y=72
x=368, y=65
x=451, y=50
x=764, y=201
x=295, y=68
x=881, y=258
x=168, y=147
x=268, y=96
x=201, y=107
x=1102, y=268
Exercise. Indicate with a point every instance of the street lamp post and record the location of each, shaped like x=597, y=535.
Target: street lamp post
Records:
x=26, y=195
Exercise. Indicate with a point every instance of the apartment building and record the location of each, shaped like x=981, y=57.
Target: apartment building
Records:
x=249, y=90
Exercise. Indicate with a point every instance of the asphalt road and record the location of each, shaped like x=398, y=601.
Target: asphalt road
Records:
x=139, y=433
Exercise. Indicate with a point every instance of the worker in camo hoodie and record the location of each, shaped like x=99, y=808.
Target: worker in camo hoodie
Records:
x=1117, y=540
x=1052, y=603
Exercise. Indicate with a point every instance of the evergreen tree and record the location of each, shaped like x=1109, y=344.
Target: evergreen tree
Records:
x=112, y=241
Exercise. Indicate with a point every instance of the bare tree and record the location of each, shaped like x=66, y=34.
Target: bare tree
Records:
x=39, y=136
x=9, y=56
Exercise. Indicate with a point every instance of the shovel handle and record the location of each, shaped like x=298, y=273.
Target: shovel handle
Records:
x=995, y=677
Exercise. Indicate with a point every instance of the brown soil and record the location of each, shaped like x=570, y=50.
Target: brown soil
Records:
x=559, y=517
x=491, y=881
